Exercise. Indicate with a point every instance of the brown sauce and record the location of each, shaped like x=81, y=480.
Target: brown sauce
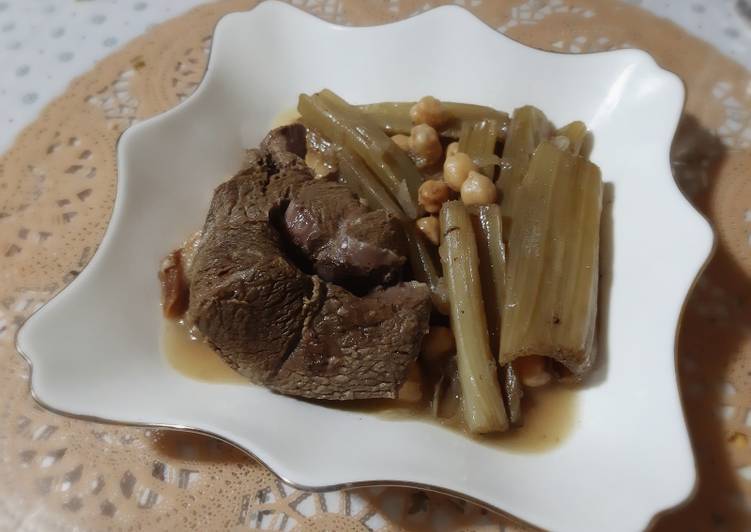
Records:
x=549, y=417
x=549, y=412
x=193, y=357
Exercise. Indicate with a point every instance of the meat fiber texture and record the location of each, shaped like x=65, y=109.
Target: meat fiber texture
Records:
x=264, y=282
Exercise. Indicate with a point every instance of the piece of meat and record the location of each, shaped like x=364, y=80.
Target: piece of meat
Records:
x=357, y=347
x=174, y=285
x=247, y=300
x=173, y=277
x=344, y=240
x=314, y=215
x=371, y=246
x=280, y=327
x=290, y=138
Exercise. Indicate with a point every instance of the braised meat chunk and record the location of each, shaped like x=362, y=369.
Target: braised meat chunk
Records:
x=295, y=332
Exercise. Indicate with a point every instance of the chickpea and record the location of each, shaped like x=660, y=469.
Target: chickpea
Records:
x=456, y=169
x=431, y=195
x=532, y=371
x=430, y=111
x=739, y=440
x=411, y=390
x=478, y=189
x=402, y=141
x=438, y=344
x=425, y=145
x=431, y=228
x=452, y=149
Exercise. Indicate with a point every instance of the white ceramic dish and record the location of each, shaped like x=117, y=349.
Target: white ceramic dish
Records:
x=95, y=348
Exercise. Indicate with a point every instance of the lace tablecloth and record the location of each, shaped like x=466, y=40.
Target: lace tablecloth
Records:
x=57, y=184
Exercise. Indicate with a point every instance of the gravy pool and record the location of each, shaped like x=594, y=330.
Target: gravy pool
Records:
x=549, y=413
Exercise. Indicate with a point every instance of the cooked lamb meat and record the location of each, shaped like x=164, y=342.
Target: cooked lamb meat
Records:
x=280, y=327
x=343, y=239
x=174, y=285
x=357, y=347
x=290, y=138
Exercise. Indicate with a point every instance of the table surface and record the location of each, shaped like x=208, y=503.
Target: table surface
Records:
x=67, y=474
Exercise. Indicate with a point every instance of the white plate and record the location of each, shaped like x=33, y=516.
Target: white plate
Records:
x=95, y=348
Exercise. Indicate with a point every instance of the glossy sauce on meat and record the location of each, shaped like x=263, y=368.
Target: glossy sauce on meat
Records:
x=550, y=412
